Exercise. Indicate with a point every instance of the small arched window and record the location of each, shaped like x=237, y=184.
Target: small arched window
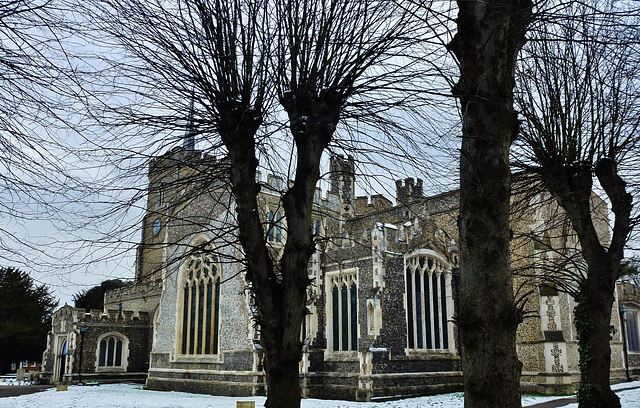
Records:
x=111, y=351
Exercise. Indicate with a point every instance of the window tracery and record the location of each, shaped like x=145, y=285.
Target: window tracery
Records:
x=428, y=288
x=343, y=304
x=111, y=351
x=200, y=305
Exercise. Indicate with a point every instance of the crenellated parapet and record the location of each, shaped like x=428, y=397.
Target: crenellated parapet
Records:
x=132, y=291
x=628, y=292
x=409, y=191
x=109, y=316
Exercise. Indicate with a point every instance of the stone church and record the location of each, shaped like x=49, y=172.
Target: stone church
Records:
x=381, y=305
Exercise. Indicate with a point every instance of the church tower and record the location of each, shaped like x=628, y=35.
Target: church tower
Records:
x=168, y=178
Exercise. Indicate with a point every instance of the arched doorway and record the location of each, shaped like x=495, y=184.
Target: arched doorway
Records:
x=61, y=358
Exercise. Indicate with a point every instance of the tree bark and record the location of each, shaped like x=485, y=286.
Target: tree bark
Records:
x=283, y=379
x=593, y=323
x=280, y=286
x=276, y=315
x=490, y=35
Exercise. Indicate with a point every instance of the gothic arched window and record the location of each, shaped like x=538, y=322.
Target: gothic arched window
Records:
x=200, y=305
x=343, y=299
x=111, y=351
x=428, y=288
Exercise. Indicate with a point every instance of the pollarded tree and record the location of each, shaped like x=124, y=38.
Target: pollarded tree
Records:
x=578, y=97
x=233, y=58
x=490, y=35
x=327, y=53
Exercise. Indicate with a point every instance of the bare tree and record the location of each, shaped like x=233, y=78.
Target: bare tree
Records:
x=489, y=37
x=578, y=97
x=323, y=61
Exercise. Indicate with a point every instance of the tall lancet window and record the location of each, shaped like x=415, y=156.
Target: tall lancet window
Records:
x=200, y=305
x=343, y=307
x=428, y=302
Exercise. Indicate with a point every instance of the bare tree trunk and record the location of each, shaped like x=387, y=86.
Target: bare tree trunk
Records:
x=283, y=379
x=490, y=34
x=280, y=292
x=593, y=322
x=280, y=310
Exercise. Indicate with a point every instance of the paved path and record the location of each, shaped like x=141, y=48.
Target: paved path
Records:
x=16, y=390
x=561, y=402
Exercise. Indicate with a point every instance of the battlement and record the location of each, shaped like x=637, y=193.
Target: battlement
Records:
x=180, y=156
x=409, y=191
x=378, y=203
x=110, y=316
x=132, y=291
x=628, y=292
x=274, y=184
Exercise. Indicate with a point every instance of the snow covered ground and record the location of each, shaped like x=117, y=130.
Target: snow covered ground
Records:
x=133, y=396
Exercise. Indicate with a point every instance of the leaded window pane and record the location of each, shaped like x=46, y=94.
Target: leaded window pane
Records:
x=336, y=319
x=192, y=319
x=354, y=317
x=443, y=301
x=216, y=320
x=110, y=351
x=118, y=361
x=427, y=312
x=279, y=228
x=436, y=316
x=427, y=309
x=419, y=310
x=344, y=312
x=633, y=340
x=410, y=296
x=345, y=318
x=102, y=356
x=207, y=323
x=185, y=318
x=200, y=317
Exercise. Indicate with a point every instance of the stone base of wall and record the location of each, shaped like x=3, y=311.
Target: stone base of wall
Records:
x=547, y=389
x=559, y=383
x=103, y=378
x=45, y=377
x=565, y=383
x=241, y=384
x=619, y=375
x=354, y=387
